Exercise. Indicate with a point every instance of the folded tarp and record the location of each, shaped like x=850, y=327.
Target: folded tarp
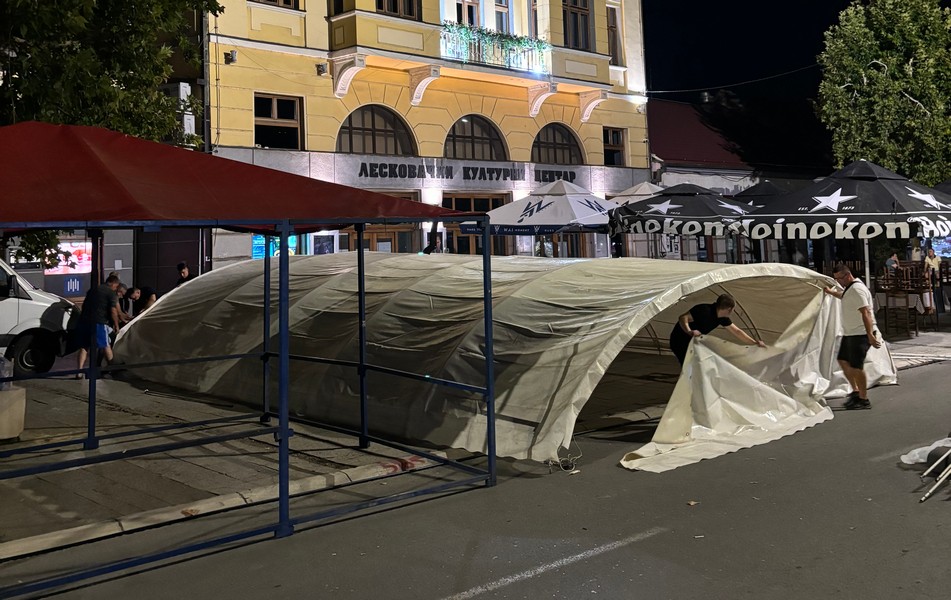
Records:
x=558, y=325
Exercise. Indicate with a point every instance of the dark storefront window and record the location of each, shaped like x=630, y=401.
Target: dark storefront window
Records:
x=613, y=147
x=375, y=130
x=577, y=21
x=556, y=145
x=474, y=137
x=277, y=122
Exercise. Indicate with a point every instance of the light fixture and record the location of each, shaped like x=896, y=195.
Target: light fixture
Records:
x=231, y=57
x=321, y=68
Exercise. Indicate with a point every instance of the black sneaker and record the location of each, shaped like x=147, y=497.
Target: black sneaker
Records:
x=857, y=404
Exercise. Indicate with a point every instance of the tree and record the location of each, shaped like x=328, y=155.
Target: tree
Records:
x=97, y=62
x=886, y=88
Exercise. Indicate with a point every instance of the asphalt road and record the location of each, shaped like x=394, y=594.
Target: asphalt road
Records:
x=826, y=513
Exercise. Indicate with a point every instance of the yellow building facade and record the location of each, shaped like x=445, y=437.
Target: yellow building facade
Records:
x=464, y=103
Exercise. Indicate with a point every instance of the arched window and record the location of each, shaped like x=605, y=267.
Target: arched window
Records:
x=556, y=145
x=375, y=130
x=476, y=138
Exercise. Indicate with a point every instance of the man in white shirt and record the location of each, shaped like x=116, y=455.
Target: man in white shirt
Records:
x=859, y=333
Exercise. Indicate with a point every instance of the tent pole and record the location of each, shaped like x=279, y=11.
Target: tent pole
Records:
x=95, y=278
x=868, y=267
x=362, y=329
x=284, y=526
x=266, y=345
x=489, y=349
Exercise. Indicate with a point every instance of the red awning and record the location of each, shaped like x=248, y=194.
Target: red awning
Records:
x=76, y=174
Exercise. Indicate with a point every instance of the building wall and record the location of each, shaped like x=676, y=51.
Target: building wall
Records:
x=304, y=53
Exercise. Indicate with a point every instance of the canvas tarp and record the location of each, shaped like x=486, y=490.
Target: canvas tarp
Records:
x=558, y=325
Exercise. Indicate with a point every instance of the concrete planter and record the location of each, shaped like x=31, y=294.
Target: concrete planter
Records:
x=12, y=413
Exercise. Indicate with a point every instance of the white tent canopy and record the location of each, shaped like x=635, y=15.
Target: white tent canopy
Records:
x=558, y=325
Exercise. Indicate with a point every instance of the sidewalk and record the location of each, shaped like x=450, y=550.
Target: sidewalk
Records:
x=58, y=508
x=925, y=348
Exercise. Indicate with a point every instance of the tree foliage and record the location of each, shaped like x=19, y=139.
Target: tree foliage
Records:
x=886, y=88
x=97, y=62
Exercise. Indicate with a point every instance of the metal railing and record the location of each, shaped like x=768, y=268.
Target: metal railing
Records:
x=496, y=52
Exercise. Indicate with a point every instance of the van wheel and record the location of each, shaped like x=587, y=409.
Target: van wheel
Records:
x=32, y=354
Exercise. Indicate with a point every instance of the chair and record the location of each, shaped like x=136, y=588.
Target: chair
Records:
x=931, y=311
x=900, y=314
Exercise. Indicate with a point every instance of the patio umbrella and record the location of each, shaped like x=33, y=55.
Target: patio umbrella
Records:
x=944, y=186
x=759, y=193
x=555, y=207
x=860, y=201
x=683, y=209
x=637, y=192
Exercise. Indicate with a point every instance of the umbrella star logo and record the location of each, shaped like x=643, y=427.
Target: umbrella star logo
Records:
x=663, y=207
x=737, y=209
x=831, y=202
x=928, y=199
x=533, y=209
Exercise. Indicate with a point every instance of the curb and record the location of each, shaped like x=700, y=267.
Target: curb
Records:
x=150, y=518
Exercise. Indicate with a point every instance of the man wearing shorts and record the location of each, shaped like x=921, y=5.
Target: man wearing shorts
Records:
x=100, y=309
x=859, y=334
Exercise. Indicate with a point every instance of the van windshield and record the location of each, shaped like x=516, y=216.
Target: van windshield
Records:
x=22, y=282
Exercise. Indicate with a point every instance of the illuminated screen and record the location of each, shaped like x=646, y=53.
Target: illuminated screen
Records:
x=941, y=245
x=80, y=260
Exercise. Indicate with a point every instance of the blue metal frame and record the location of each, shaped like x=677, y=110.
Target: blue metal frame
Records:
x=282, y=432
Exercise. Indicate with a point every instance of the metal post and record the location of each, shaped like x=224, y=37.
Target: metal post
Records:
x=362, y=316
x=489, y=351
x=266, y=345
x=92, y=374
x=95, y=277
x=868, y=268
x=284, y=527
x=91, y=442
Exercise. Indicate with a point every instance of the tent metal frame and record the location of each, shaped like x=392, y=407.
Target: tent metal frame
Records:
x=285, y=523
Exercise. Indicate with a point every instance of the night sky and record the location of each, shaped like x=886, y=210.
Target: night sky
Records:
x=693, y=44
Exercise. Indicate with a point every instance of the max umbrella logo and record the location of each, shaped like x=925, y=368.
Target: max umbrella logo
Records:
x=533, y=209
x=593, y=205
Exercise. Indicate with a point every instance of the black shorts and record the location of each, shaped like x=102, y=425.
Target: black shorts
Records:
x=853, y=350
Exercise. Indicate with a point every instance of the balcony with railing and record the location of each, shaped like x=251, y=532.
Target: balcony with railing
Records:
x=487, y=47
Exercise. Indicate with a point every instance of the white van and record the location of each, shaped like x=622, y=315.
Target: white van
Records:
x=33, y=323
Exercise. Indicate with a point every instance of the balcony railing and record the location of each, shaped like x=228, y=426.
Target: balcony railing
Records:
x=487, y=47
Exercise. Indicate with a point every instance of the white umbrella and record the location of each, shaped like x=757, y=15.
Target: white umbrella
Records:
x=554, y=207
x=637, y=192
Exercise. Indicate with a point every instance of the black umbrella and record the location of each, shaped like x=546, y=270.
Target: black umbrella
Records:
x=944, y=186
x=683, y=209
x=860, y=201
x=759, y=193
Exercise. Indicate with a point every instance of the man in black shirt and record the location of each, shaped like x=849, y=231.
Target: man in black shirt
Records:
x=184, y=275
x=701, y=320
x=147, y=298
x=100, y=309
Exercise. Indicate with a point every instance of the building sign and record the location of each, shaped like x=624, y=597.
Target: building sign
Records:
x=387, y=172
x=415, y=173
x=72, y=286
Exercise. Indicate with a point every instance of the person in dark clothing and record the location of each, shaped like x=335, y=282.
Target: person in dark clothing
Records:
x=184, y=274
x=100, y=311
x=701, y=320
x=127, y=303
x=147, y=298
